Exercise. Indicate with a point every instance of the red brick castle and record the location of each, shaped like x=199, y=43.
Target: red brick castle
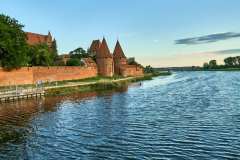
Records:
x=34, y=38
x=113, y=64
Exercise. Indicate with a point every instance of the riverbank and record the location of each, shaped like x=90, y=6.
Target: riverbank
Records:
x=98, y=84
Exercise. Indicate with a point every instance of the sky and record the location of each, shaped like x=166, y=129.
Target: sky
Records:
x=161, y=33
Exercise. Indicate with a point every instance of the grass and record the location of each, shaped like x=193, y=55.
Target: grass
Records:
x=98, y=84
x=102, y=84
x=97, y=87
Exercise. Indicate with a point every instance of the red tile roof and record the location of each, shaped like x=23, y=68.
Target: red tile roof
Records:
x=34, y=38
x=118, y=52
x=104, y=51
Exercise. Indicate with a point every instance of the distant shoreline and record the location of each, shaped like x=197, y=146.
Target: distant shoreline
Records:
x=195, y=69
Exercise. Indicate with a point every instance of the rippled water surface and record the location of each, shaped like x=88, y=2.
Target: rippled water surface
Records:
x=189, y=115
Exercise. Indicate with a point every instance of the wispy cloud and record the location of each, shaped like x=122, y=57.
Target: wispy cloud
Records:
x=228, y=51
x=208, y=38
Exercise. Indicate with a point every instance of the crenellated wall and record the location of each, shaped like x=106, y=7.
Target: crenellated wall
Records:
x=30, y=75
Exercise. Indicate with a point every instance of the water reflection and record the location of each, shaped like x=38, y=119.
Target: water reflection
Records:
x=190, y=115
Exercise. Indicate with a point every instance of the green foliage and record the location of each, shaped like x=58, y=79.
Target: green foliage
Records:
x=230, y=61
x=73, y=62
x=131, y=61
x=148, y=69
x=213, y=64
x=205, y=65
x=13, y=44
x=79, y=53
x=40, y=55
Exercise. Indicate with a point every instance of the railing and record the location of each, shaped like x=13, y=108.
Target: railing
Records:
x=17, y=93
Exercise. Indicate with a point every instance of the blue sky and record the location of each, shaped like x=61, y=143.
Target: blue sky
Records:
x=157, y=32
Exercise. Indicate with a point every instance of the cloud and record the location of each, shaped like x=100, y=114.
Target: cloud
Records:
x=208, y=38
x=228, y=51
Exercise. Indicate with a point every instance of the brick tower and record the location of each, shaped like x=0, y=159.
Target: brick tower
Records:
x=119, y=58
x=104, y=60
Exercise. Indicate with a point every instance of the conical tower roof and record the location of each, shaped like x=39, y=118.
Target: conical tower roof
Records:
x=118, y=52
x=104, y=51
x=95, y=46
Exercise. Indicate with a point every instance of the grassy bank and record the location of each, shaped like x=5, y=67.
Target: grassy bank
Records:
x=101, y=85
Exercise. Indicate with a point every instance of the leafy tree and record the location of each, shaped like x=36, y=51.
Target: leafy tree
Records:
x=238, y=60
x=40, y=55
x=13, y=44
x=229, y=61
x=79, y=53
x=73, y=62
x=148, y=69
x=205, y=65
x=213, y=64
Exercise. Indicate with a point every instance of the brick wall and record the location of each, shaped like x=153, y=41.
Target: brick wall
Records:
x=105, y=67
x=131, y=70
x=16, y=76
x=30, y=75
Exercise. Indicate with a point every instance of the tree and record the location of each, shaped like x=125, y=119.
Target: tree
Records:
x=54, y=49
x=79, y=53
x=229, y=61
x=40, y=55
x=73, y=62
x=148, y=69
x=13, y=44
x=212, y=64
x=205, y=65
x=238, y=60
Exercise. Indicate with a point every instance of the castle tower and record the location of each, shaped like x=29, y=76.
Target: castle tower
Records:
x=49, y=39
x=104, y=60
x=119, y=58
x=95, y=47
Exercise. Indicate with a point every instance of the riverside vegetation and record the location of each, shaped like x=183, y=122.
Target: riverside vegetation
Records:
x=230, y=64
x=100, y=84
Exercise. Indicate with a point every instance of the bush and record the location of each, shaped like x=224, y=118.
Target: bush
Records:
x=73, y=62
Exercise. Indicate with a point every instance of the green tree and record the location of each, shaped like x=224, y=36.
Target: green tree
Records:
x=213, y=64
x=205, y=65
x=13, y=46
x=79, y=53
x=73, y=62
x=148, y=69
x=238, y=60
x=40, y=55
x=229, y=62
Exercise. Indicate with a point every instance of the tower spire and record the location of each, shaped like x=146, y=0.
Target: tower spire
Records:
x=118, y=52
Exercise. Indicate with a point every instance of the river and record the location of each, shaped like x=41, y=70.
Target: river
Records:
x=188, y=115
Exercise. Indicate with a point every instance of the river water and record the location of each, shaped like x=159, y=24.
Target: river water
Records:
x=188, y=115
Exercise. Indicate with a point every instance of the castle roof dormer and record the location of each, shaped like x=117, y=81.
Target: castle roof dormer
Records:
x=104, y=51
x=118, y=52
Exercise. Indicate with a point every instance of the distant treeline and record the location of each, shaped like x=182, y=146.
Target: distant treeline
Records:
x=229, y=62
